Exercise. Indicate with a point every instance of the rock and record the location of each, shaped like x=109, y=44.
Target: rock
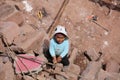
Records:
x=112, y=76
x=17, y=17
x=59, y=77
x=112, y=66
x=6, y=10
x=92, y=54
x=31, y=41
x=73, y=72
x=102, y=75
x=28, y=78
x=91, y=72
x=58, y=67
x=6, y=28
x=2, y=49
x=41, y=77
x=73, y=55
x=7, y=71
x=25, y=29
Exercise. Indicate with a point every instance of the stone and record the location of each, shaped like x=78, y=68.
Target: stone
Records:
x=6, y=10
x=6, y=28
x=59, y=77
x=28, y=78
x=92, y=54
x=58, y=67
x=91, y=72
x=73, y=55
x=16, y=17
x=73, y=72
x=112, y=76
x=2, y=49
x=112, y=66
x=31, y=41
x=7, y=71
x=41, y=77
x=102, y=75
x=25, y=29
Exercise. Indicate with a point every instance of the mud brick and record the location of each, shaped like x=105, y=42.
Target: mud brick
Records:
x=73, y=55
x=10, y=30
x=6, y=10
x=31, y=41
x=16, y=17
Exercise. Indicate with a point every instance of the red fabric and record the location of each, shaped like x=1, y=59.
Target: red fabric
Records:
x=26, y=63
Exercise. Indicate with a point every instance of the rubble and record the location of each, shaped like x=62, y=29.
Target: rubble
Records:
x=28, y=33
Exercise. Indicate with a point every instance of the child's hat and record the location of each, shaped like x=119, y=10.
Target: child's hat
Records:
x=60, y=29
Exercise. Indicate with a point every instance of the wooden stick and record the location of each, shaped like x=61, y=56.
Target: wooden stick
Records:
x=57, y=18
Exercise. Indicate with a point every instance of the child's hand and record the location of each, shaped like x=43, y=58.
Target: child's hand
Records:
x=54, y=60
x=59, y=59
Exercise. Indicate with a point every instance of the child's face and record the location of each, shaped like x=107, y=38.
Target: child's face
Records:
x=59, y=37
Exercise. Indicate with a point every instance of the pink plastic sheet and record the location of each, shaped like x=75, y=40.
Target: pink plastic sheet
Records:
x=24, y=63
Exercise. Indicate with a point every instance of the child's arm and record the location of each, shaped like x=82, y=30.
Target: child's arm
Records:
x=66, y=49
x=51, y=48
x=52, y=51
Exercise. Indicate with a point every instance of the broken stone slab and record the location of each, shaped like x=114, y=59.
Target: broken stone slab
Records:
x=92, y=54
x=31, y=41
x=9, y=30
x=2, y=49
x=112, y=66
x=58, y=67
x=104, y=75
x=73, y=72
x=26, y=77
x=74, y=69
x=43, y=74
x=41, y=77
x=25, y=29
x=92, y=70
x=60, y=74
x=6, y=71
x=16, y=17
x=59, y=77
x=73, y=55
x=113, y=76
x=6, y=10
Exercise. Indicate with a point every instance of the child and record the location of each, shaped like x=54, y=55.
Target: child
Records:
x=59, y=46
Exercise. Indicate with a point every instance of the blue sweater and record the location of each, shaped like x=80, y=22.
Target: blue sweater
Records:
x=59, y=49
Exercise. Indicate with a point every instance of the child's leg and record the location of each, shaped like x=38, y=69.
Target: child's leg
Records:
x=65, y=61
